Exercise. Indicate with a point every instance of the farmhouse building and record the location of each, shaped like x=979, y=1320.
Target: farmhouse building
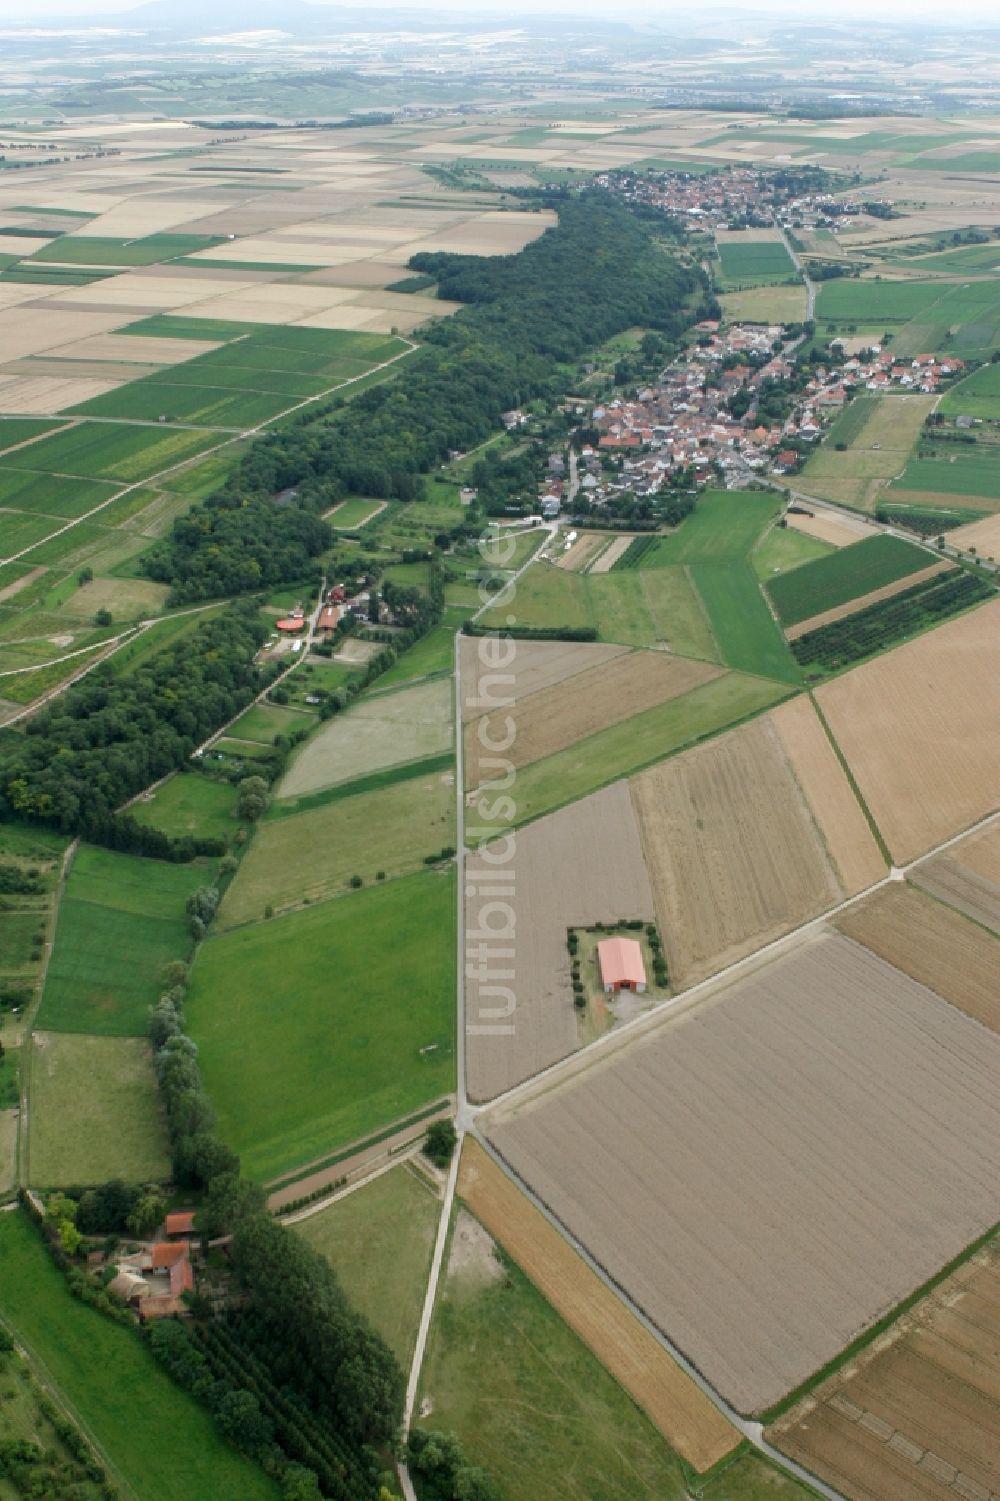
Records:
x=294, y=622
x=620, y=960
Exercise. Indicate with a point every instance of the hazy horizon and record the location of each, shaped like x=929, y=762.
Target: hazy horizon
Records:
x=921, y=11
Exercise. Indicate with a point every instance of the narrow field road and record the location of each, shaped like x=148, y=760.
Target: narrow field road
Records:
x=800, y=268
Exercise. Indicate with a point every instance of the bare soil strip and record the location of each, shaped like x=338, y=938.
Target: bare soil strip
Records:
x=827, y=527
x=774, y=1168
x=917, y=1415
x=826, y=617
x=919, y=728
x=503, y=672
x=666, y=1394
x=734, y=854
x=936, y=946
x=546, y=722
x=576, y=867
x=609, y=558
x=582, y=551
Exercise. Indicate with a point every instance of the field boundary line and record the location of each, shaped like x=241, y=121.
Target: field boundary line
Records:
x=661, y=1014
x=750, y=1429
x=877, y=835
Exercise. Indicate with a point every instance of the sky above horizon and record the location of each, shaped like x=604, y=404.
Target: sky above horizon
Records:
x=895, y=10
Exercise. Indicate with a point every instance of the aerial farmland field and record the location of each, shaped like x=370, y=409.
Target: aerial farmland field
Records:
x=315, y=854
x=406, y=724
x=916, y=1414
x=115, y=904
x=115, y=1129
x=350, y=1010
x=967, y=877
x=666, y=1394
x=672, y=1159
x=918, y=728
x=546, y=722
x=732, y=844
x=933, y=943
x=845, y=575
x=577, y=867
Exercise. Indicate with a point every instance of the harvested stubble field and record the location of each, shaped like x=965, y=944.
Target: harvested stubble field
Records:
x=506, y=672
x=668, y=1396
x=579, y=866
x=967, y=877
x=919, y=728
x=937, y=947
x=983, y=535
x=381, y=730
x=840, y=612
x=916, y=1417
x=733, y=834
x=582, y=551
x=674, y=1160
x=550, y=720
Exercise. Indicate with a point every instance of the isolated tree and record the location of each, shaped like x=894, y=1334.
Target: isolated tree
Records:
x=85, y=576
x=253, y=799
x=439, y=1143
x=103, y=617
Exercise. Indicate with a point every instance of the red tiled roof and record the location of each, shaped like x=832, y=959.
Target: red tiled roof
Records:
x=181, y=1223
x=621, y=961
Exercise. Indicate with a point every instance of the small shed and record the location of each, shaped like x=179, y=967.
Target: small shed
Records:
x=179, y=1223
x=621, y=965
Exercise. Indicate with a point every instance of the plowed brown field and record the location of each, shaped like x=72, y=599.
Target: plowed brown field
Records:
x=769, y=1171
x=937, y=946
x=576, y=867
x=533, y=666
x=967, y=876
x=670, y=1399
x=919, y=728
x=918, y=1414
x=546, y=722
x=735, y=857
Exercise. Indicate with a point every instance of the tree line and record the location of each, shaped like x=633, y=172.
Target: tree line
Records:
x=108, y=737
x=598, y=271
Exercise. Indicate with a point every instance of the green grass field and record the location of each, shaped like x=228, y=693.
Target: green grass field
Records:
x=327, y=1044
x=314, y=854
x=22, y=429
x=845, y=574
x=850, y=420
x=190, y=804
x=379, y=1241
x=157, y=1439
x=529, y=1401
x=755, y=263
x=100, y=449
x=625, y=748
x=784, y=548
x=263, y=722
x=81, y=249
x=433, y=653
x=723, y=528
x=151, y=400
x=94, y=1112
x=748, y=637
x=543, y=596
x=977, y=396
x=354, y=512
x=120, y=920
x=847, y=300
x=973, y=471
